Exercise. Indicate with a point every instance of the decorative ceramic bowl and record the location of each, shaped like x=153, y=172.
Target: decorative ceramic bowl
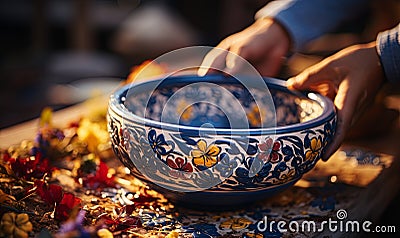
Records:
x=212, y=141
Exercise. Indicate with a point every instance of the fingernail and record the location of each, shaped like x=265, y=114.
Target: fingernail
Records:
x=201, y=72
x=290, y=82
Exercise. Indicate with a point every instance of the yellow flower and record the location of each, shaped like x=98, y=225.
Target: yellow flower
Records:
x=173, y=234
x=205, y=156
x=104, y=233
x=287, y=176
x=46, y=116
x=235, y=224
x=15, y=225
x=93, y=134
x=315, y=148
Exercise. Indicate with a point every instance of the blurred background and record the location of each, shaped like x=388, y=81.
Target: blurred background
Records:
x=55, y=52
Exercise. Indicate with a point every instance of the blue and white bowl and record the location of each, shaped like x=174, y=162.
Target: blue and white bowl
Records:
x=212, y=141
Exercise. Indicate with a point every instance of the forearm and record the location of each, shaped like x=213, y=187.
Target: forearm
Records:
x=305, y=20
x=388, y=47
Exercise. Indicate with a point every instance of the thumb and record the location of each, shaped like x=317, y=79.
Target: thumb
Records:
x=324, y=80
x=292, y=83
x=307, y=79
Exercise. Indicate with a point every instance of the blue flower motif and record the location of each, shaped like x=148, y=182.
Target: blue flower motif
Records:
x=202, y=230
x=226, y=166
x=243, y=175
x=279, y=168
x=158, y=143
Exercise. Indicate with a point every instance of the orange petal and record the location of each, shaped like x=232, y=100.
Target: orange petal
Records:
x=210, y=161
x=213, y=150
x=199, y=160
x=308, y=154
x=318, y=145
x=196, y=153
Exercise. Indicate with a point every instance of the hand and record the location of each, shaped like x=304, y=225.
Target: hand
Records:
x=264, y=44
x=351, y=78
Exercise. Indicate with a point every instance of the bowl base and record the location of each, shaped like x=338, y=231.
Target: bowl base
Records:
x=220, y=200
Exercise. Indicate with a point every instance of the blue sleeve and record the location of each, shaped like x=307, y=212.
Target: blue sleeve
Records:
x=388, y=47
x=306, y=20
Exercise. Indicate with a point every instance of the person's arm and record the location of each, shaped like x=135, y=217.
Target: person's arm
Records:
x=306, y=20
x=388, y=47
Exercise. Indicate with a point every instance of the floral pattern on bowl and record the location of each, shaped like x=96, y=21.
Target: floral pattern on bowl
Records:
x=189, y=163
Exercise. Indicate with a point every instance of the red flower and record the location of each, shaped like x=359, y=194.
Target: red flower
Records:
x=179, y=164
x=121, y=221
x=53, y=195
x=269, y=151
x=30, y=167
x=66, y=205
x=50, y=193
x=7, y=158
x=99, y=179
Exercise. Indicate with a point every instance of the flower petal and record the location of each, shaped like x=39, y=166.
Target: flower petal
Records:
x=213, y=150
x=264, y=156
x=180, y=162
x=318, y=145
x=264, y=146
x=187, y=167
x=210, y=161
x=308, y=155
x=202, y=145
x=152, y=136
x=196, y=153
x=200, y=160
x=277, y=146
x=274, y=157
x=171, y=163
x=313, y=143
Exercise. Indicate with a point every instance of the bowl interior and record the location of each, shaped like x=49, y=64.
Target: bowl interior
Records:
x=220, y=102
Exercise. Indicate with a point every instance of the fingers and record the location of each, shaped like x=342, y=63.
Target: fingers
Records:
x=235, y=61
x=313, y=76
x=345, y=103
x=215, y=59
x=322, y=78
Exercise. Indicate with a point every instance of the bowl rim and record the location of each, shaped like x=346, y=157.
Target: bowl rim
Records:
x=115, y=105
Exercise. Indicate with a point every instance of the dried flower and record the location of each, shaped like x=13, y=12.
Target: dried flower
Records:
x=15, y=225
x=67, y=204
x=50, y=193
x=5, y=198
x=104, y=233
x=93, y=134
x=100, y=178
